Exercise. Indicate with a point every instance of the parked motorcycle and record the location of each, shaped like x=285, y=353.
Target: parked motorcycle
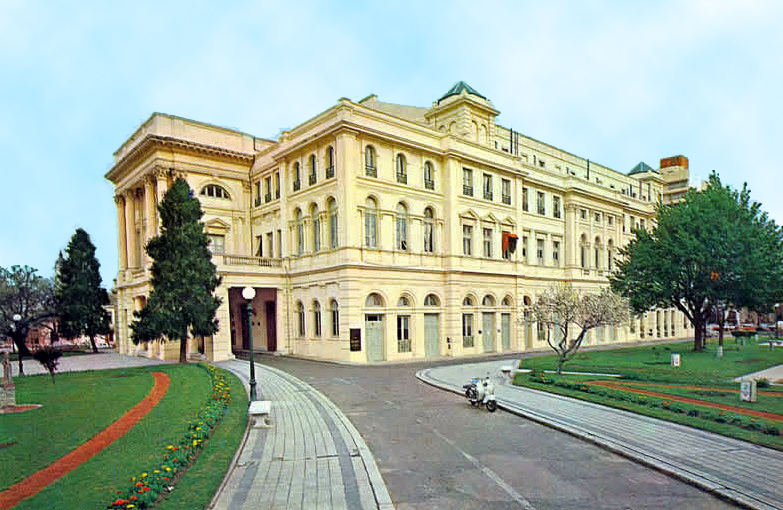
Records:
x=481, y=392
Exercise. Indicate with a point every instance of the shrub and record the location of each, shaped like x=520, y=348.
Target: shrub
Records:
x=762, y=382
x=49, y=358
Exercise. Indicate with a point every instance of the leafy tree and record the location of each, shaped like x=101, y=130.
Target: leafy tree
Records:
x=29, y=295
x=49, y=358
x=183, y=276
x=713, y=249
x=79, y=297
x=562, y=311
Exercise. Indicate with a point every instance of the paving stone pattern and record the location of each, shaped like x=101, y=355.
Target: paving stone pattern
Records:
x=308, y=458
x=741, y=471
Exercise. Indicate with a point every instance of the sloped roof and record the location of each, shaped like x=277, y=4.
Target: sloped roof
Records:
x=640, y=168
x=458, y=88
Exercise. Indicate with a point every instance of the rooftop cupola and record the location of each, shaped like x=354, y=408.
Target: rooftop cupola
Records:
x=464, y=113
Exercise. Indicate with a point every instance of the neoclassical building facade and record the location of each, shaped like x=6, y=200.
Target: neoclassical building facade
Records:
x=375, y=231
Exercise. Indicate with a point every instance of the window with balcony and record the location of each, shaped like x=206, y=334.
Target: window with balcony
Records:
x=297, y=177
x=277, y=185
x=429, y=176
x=467, y=182
x=315, y=219
x=429, y=228
x=487, y=187
x=540, y=251
x=556, y=206
x=525, y=202
x=505, y=191
x=257, y=187
x=331, y=207
x=540, y=204
x=259, y=246
x=402, y=169
x=217, y=243
x=330, y=162
x=371, y=223
x=402, y=227
x=299, y=232
x=467, y=240
x=524, y=248
x=268, y=189
x=370, y=169
x=313, y=177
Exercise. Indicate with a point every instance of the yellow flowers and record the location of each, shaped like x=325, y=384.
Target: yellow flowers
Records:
x=144, y=475
x=156, y=471
x=195, y=442
x=131, y=506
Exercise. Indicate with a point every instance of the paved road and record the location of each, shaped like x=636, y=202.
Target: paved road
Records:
x=82, y=362
x=436, y=452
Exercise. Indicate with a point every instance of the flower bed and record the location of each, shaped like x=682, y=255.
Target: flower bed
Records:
x=738, y=420
x=147, y=487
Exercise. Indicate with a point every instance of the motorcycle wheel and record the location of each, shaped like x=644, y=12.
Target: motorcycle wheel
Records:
x=474, y=403
x=492, y=406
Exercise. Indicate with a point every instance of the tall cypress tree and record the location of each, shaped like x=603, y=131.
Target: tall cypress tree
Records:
x=183, y=276
x=79, y=297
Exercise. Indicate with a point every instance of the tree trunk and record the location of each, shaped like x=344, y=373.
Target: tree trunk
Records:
x=92, y=342
x=21, y=365
x=183, y=347
x=698, y=336
x=560, y=361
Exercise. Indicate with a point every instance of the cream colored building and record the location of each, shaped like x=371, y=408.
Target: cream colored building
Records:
x=375, y=231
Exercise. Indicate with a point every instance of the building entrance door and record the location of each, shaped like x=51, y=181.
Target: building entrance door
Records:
x=373, y=333
x=431, y=340
x=488, y=331
x=271, y=326
x=505, y=330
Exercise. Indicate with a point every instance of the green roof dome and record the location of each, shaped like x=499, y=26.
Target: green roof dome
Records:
x=457, y=90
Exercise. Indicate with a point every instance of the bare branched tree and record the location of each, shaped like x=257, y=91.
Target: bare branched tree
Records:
x=562, y=311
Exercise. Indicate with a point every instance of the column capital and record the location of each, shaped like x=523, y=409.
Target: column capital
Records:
x=119, y=199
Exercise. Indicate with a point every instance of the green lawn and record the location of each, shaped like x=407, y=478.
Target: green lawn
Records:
x=651, y=364
x=81, y=404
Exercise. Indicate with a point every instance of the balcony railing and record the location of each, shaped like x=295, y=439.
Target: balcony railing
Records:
x=312, y=179
x=330, y=172
x=257, y=201
x=507, y=199
x=297, y=185
x=370, y=171
x=268, y=197
x=467, y=190
x=429, y=184
x=487, y=195
x=402, y=177
x=243, y=260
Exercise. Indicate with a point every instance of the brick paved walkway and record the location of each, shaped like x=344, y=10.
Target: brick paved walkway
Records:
x=310, y=458
x=737, y=470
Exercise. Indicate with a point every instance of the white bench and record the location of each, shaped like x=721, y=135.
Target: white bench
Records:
x=259, y=411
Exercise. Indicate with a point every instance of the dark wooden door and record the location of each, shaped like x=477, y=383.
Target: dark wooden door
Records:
x=271, y=326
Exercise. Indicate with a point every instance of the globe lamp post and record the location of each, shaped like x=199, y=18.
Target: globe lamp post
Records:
x=249, y=293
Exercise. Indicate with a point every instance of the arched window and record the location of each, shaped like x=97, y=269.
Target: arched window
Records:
x=334, y=309
x=488, y=301
x=403, y=301
x=507, y=301
x=370, y=169
x=330, y=162
x=371, y=223
x=610, y=255
x=429, y=230
x=468, y=301
x=402, y=227
x=316, y=318
x=583, y=251
x=429, y=176
x=331, y=208
x=402, y=169
x=316, y=219
x=597, y=253
x=431, y=300
x=300, y=315
x=374, y=299
x=527, y=301
x=297, y=177
x=313, y=178
x=215, y=191
x=299, y=231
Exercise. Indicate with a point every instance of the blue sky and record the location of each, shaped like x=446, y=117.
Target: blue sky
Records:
x=617, y=82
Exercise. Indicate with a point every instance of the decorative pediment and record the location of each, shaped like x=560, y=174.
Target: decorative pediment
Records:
x=470, y=214
x=216, y=225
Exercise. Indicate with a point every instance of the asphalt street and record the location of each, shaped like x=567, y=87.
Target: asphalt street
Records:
x=436, y=452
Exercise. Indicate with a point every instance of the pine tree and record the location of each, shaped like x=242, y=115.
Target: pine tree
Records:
x=79, y=297
x=183, y=276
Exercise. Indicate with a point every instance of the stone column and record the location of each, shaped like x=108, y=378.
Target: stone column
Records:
x=122, y=249
x=130, y=229
x=570, y=239
x=348, y=163
x=149, y=213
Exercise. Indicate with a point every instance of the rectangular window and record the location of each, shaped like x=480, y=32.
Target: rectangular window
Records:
x=524, y=248
x=467, y=240
x=487, y=187
x=370, y=229
x=505, y=191
x=467, y=330
x=525, y=204
x=259, y=247
x=335, y=320
x=403, y=333
x=641, y=223
x=488, y=242
x=583, y=214
x=277, y=184
x=429, y=245
x=633, y=223
x=317, y=319
x=504, y=252
x=540, y=251
x=267, y=189
x=556, y=206
x=610, y=220
x=598, y=217
x=467, y=182
x=279, y=243
x=556, y=252
x=541, y=206
x=269, y=243
x=217, y=243
x=257, y=201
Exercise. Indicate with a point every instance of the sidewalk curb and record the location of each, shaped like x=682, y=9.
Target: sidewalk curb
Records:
x=696, y=479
